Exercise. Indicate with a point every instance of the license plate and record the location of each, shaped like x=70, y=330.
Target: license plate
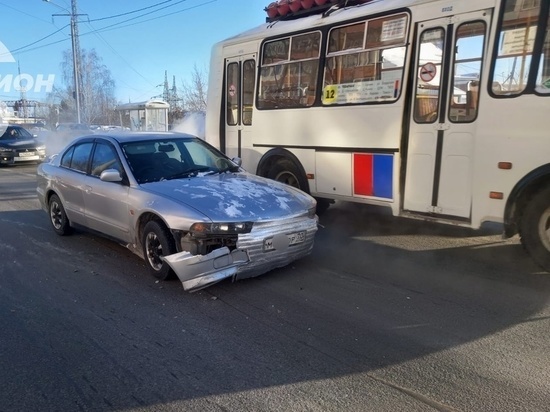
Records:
x=27, y=157
x=283, y=241
x=295, y=238
x=27, y=154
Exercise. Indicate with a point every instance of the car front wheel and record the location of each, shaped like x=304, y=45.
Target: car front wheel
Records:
x=157, y=242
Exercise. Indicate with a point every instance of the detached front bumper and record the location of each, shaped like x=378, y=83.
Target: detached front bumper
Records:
x=199, y=271
x=268, y=246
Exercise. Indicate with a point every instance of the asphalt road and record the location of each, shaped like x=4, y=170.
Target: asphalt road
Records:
x=386, y=315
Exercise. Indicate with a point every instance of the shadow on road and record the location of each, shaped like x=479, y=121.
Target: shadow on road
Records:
x=378, y=294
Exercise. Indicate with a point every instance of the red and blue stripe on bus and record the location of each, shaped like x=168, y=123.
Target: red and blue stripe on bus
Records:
x=373, y=175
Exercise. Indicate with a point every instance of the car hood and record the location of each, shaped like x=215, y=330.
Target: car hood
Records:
x=20, y=143
x=230, y=197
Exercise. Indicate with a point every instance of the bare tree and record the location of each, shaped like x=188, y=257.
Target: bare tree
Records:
x=97, y=89
x=194, y=92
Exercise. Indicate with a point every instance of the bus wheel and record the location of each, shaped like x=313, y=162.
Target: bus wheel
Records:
x=534, y=228
x=287, y=172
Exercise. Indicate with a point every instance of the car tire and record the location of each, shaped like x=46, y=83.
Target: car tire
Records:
x=58, y=217
x=157, y=242
x=534, y=228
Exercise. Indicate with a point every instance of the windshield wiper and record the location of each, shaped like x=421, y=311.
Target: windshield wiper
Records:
x=188, y=173
x=232, y=169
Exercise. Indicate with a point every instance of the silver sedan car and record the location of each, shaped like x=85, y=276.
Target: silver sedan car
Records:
x=183, y=206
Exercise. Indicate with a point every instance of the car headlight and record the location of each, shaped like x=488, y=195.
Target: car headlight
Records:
x=41, y=148
x=232, y=228
x=311, y=212
x=6, y=150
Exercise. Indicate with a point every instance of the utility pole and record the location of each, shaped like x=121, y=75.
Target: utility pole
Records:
x=22, y=112
x=76, y=57
x=75, y=49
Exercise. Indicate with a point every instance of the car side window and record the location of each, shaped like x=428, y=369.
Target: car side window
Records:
x=105, y=157
x=81, y=156
x=67, y=157
x=15, y=133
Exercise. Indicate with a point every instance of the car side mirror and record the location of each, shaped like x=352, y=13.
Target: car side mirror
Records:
x=110, y=175
x=238, y=161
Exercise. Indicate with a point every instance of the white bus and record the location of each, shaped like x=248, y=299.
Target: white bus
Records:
x=437, y=109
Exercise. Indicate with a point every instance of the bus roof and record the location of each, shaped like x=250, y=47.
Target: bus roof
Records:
x=149, y=104
x=309, y=22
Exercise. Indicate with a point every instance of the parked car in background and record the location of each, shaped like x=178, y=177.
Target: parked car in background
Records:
x=73, y=129
x=182, y=205
x=18, y=145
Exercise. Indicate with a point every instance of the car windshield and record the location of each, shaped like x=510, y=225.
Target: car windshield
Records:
x=12, y=133
x=154, y=160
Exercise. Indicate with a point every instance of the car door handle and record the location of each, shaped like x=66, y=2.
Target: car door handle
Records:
x=87, y=189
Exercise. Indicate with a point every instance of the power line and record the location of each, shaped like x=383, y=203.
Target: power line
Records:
x=39, y=47
x=144, y=14
x=67, y=25
x=132, y=12
x=117, y=54
x=97, y=33
x=22, y=12
x=43, y=38
x=109, y=28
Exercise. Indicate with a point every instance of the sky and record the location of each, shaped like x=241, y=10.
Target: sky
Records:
x=147, y=39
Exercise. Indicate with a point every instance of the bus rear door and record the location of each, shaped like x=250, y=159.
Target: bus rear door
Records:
x=442, y=129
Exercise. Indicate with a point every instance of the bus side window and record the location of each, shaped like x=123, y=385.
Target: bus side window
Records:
x=288, y=74
x=518, y=28
x=232, y=85
x=426, y=102
x=365, y=61
x=249, y=71
x=470, y=40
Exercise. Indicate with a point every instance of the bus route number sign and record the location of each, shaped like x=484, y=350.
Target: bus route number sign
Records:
x=330, y=94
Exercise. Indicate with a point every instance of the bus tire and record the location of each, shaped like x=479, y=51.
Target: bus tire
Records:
x=534, y=228
x=285, y=171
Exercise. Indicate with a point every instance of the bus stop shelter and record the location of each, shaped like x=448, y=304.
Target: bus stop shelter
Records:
x=151, y=115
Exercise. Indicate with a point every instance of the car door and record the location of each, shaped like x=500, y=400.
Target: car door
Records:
x=70, y=181
x=106, y=203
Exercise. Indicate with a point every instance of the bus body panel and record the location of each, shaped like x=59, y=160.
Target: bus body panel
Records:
x=503, y=137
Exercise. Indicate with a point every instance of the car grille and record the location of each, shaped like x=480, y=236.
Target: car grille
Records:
x=263, y=261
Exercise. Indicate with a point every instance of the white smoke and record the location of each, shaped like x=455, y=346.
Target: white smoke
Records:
x=55, y=141
x=193, y=123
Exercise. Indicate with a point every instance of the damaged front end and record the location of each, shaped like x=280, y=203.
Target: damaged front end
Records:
x=199, y=271
x=243, y=251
